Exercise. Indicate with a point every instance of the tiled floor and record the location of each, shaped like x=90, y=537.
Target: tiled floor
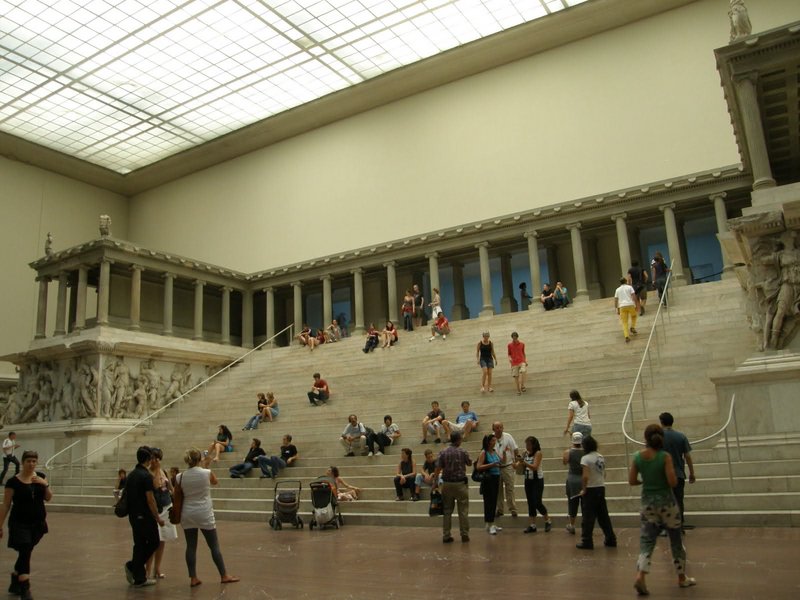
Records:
x=82, y=557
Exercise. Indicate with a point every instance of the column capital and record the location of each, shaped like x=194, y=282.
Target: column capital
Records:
x=390, y=263
x=326, y=277
x=63, y=275
x=746, y=76
x=531, y=234
x=357, y=271
x=482, y=245
x=267, y=290
x=571, y=226
x=105, y=259
x=199, y=283
x=718, y=195
x=226, y=288
x=297, y=284
x=432, y=255
x=616, y=216
x=135, y=267
x=168, y=275
x=45, y=278
x=670, y=206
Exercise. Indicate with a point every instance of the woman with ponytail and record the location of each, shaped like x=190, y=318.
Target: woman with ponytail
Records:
x=659, y=509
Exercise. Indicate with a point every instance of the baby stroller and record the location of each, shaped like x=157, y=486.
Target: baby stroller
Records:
x=285, y=505
x=325, y=510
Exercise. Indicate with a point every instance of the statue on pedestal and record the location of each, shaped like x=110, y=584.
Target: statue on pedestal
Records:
x=105, y=226
x=48, y=245
x=740, y=20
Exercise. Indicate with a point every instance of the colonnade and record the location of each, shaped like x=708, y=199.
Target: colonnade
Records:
x=77, y=277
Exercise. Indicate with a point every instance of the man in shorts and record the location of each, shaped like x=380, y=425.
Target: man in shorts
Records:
x=432, y=423
x=466, y=422
x=519, y=362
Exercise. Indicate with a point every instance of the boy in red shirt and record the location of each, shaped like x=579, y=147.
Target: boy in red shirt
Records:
x=440, y=326
x=519, y=362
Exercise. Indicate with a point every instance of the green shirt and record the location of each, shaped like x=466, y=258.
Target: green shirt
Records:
x=654, y=479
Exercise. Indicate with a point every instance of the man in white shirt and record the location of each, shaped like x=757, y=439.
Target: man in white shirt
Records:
x=9, y=445
x=355, y=434
x=506, y=446
x=626, y=303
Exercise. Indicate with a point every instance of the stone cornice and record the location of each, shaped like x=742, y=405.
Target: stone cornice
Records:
x=543, y=220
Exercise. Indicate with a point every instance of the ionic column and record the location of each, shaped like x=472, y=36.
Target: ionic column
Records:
x=507, y=302
x=247, y=318
x=169, y=280
x=673, y=243
x=487, y=309
x=297, y=289
x=460, y=310
x=358, y=294
x=722, y=226
x=136, y=297
x=622, y=241
x=104, y=291
x=327, y=300
x=226, y=315
x=41, y=308
x=198, y=309
x=433, y=267
x=61, y=305
x=533, y=260
x=80, y=297
x=745, y=85
x=270, y=316
x=581, y=291
x=391, y=289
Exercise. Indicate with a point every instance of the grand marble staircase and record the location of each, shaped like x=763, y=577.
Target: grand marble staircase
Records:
x=704, y=332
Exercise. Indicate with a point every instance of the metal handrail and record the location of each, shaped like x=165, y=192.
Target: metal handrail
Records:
x=181, y=397
x=57, y=454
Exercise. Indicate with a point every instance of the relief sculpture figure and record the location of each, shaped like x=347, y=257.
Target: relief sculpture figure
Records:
x=781, y=295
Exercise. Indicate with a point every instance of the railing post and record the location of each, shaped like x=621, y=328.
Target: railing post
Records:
x=728, y=452
x=736, y=427
x=118, y=439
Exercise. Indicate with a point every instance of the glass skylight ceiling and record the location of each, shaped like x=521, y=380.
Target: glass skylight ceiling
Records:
x=125, y=83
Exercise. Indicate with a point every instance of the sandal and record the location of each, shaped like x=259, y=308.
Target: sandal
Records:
x=194, y=583
x=229, y=579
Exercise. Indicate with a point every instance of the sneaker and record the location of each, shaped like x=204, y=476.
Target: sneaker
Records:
x=633, y=331
x=627, y=339
x=448, y=540
x=514, y=513
x=548, y=526
x=146, y=583
x=582, y=546
x=464, y=538
x=498, y=528
x=424, y=442
x=571, y=529
x=370, y=454
x=129, y=574
x=264, y=476
x=444, y=337
x=499, y=513
x=492, y=530
x=529, y=529
x=610, y=543
x=433, y=337
x=688, y=582
x=438, y=440
x=378, y=453
x=415, y=498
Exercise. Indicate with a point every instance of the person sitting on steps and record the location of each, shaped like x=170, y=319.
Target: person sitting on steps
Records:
x=432, y=423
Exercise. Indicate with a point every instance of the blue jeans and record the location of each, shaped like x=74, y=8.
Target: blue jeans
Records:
x=253, y=422
x=271, y=466
x=242, y=468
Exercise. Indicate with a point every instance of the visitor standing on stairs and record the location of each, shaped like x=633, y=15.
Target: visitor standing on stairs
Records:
x=408, y=311
x=419, y=306
x=578, y=417
x=451, y=466
x=489, y=462
x=626, y=303
x=519, y=363
x=508, y=451
x=484, y=354
x=677, y=444
x=637, y=279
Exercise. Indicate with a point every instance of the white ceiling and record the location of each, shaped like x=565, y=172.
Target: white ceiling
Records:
x=126, y=83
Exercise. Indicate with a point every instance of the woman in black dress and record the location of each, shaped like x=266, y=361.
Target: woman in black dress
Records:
x=25, y=495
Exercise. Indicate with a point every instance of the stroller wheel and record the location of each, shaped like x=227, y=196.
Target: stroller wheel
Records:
x=278, y=525
x=272, y=522
x=336, y=524
x=311, y=525
x=341, y=520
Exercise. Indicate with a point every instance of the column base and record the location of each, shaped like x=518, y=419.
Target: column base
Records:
x=60, y=332
x=487, y=311
x=39, y=336
x=764, y=182
x=508, y=305
x=460, y=312
x=729, y=272
x=134, y=328
x=581, y=297
x=678, y=280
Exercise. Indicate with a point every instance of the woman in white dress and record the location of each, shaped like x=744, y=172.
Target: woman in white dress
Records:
x=198, y=513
